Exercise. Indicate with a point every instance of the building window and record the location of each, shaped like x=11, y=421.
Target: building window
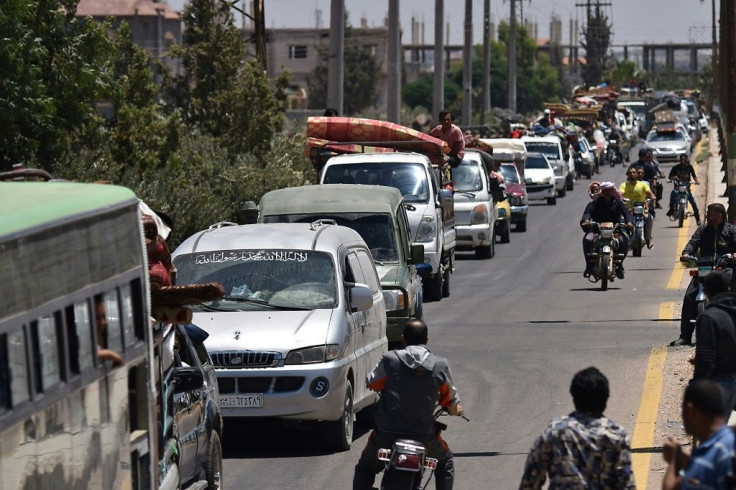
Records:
x=297, y=52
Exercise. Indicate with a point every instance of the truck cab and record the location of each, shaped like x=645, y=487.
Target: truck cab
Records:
x=429, y=207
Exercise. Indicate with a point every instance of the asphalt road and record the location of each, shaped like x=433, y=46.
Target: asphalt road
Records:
x=515, y=329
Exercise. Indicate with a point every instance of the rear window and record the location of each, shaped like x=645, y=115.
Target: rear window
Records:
x=551, y=150
x=409, y=178
x=536, y=162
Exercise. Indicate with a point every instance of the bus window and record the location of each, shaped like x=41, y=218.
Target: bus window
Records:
x=114, y=334
x=4, y=375
x=104, y=353
x=18, y=368
x=45, y=338
x=80, y=337
x=128, y=320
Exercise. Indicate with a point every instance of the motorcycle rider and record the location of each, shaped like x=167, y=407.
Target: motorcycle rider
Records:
x=657, y=185
x=650, y=173
x=412, y=381
x=606, y=207
x=713, y=239
x=636, y=190
x=683, y=171
x=616, y=136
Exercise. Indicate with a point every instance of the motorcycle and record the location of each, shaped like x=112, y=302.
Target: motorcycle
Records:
x=605, y=257
x=682, y=187
x=407, y=462
x=701, y=267
x=640, y=210
x=613, y=153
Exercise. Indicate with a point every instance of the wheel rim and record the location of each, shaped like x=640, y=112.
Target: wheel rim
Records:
x=347, y=414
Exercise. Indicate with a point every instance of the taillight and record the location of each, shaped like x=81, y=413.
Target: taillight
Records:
x=430, y=464
x=384, y=454
x=408, y=462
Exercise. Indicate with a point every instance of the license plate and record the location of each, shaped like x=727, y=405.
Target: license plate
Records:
x=248, y=400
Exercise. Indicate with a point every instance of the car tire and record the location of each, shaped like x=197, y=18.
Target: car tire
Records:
x=484, y=252
x=505, y=233
x=521, y=226
x=551, y=201
x=213, y=471
x=446, y=281
x=570, y=184
x=338, y=435
x=433, y=287
x=563, y=192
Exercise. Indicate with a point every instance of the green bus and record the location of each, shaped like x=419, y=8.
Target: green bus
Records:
x=78, y=404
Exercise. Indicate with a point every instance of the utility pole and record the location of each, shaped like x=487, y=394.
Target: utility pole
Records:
x=393, y=100
x=335, y=75
x=259, y=20
x=468, y=64
x=438, y=99
x=512, y=57
x=486, y=60
x=597, y=40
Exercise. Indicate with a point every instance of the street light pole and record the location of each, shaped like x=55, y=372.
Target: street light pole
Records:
x=438, y=99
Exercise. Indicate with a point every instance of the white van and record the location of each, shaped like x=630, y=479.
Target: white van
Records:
x=302, y=322
x=559, y=157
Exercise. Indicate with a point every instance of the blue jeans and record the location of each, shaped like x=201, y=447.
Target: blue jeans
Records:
x=673, y=201
x=728, y=383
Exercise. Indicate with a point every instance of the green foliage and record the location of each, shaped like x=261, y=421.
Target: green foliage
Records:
x=622, y=72
x=596, y=41
x=51, y=75
x=360, y=77
x=537, y=80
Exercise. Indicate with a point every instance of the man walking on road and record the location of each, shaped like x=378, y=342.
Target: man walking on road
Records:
x=711, y=463
x=715, y=352
x=583, y=449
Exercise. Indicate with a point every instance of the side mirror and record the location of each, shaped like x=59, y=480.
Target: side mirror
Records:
x=445, y=194
x=187, y=379
x=417, y=254
x=360, y=296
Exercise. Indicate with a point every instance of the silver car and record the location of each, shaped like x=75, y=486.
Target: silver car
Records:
x=668, y=145
x=302, y=321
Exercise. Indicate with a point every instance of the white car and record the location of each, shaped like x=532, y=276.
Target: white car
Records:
x=540, y=178
x=560, y=158
x=302, y=322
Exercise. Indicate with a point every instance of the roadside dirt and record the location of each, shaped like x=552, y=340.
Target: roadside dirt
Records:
x=677, y=372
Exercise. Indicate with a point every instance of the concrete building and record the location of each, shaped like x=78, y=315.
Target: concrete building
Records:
x=155, y=26
x=298, y=50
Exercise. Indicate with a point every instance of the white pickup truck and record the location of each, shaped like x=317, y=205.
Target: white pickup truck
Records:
x=429, y=206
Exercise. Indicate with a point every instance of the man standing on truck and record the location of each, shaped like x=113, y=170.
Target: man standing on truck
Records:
x=451, y=134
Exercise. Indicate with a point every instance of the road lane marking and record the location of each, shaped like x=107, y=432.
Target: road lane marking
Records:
x=667, y=311
x=646, y=418
x=678, y=271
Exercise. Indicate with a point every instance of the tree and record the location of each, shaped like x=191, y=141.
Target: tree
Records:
x=360, y=81
x=51, y=76
x=596, y=41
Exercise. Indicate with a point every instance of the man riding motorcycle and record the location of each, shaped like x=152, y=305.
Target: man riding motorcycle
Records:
x=412, y=381
x=714, y=239
x=683, y=171
x=636, y=190
x=604, y=208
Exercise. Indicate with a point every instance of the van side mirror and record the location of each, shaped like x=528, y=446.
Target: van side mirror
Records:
x=361, y=297
x=417, y=254
x=187, y=379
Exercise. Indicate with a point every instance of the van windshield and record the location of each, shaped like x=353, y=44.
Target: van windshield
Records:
x=466, y=177
x=255, y=279
x=377, y=230
x=552, y=150
x=409, y=178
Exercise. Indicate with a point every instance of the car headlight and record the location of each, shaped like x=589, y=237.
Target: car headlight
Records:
x=558, y=169
x=394, y=299
x=427, y=229
x=547, y=180
x=479, y=216
x=312, y=355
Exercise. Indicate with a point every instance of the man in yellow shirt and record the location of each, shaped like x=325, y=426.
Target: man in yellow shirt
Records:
x=636, y=190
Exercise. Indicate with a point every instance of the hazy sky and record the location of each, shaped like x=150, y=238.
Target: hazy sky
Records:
x=634, y=21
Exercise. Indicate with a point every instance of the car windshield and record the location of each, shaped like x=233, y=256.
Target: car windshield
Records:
x=638, y=109
x=255, y=279
x=510, y=174
x=409, y=178
x=466, y=177
x=665, y=136
x=536, y=162
x=377, y=230
x=552, y=150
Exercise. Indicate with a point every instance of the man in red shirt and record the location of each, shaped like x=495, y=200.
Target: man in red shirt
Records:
x=452, y=134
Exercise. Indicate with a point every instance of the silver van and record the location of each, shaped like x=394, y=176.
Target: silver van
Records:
x=301, y=324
